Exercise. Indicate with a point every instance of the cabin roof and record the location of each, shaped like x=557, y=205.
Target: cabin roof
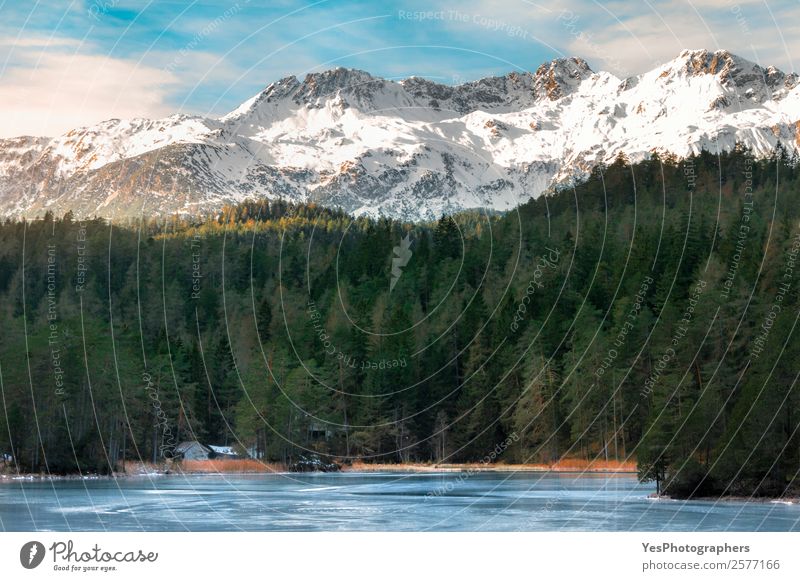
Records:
x=184, y=446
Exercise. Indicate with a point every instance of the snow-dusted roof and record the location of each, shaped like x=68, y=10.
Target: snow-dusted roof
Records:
x=226, y=450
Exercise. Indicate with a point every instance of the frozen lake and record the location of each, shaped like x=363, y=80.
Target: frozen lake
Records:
x=489, y=501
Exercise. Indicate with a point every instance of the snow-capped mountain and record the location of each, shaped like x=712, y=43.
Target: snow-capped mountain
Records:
x=412, y=149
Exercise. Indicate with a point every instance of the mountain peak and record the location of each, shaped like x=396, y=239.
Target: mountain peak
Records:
x=315, y=86
x=720, y=62
x=560, y=77
x=329, y=81
x=746, y=78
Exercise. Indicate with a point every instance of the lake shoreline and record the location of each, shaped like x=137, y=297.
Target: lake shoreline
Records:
x=568, y=468
x=230, y=467
x=565, y=466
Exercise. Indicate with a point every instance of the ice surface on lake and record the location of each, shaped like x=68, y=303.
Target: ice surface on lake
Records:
x=373, y=502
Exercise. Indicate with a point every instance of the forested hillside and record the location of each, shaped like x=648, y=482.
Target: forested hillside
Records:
x=649, y=313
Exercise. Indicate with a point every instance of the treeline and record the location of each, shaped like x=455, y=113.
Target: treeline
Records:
x=648, y=313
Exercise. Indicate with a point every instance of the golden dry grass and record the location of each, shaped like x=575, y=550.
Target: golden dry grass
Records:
x=244, y=465
x=596, y=465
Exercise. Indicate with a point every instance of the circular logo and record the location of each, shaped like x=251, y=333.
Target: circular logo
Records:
x=31, y=554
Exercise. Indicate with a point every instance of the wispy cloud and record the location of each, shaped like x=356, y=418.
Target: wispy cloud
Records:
x=50, y=92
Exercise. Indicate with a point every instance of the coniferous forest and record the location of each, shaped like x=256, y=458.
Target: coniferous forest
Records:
x=647, y=314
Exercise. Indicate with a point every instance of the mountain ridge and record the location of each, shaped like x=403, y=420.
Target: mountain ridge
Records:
x=411, y=149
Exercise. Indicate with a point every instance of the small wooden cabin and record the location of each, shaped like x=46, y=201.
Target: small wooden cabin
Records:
x=191, y=451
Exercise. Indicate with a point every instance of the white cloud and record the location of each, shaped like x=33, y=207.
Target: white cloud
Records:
x=50, y=92
x=656, y=31
x=628, y=38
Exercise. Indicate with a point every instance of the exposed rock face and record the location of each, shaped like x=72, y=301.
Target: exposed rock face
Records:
x=749, y=79
x=560, y=77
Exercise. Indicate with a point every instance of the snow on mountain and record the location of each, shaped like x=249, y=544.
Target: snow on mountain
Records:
x=412, y=149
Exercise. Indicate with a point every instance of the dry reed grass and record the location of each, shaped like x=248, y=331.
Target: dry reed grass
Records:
x=242, y=466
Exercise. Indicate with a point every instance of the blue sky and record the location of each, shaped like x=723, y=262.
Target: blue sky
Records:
x=74, y=63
